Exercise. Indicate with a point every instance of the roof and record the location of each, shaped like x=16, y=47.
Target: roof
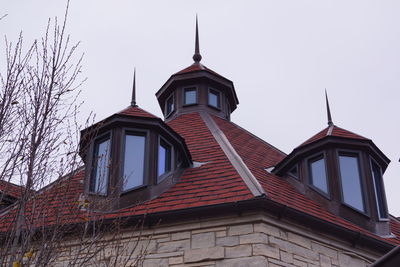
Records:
x=11, y=189
x=214, y=180
x=135, y=111
x=333, y=131
x=197, y=66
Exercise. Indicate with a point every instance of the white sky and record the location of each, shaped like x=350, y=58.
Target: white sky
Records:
x=279, y=54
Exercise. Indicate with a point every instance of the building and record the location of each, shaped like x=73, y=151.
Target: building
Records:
x=211, y=193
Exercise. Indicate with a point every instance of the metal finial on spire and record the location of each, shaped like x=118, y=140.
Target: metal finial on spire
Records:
x=328, y=110
x=197, y=56
x=133, y=102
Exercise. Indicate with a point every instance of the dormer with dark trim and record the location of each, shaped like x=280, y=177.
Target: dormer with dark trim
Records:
x=130, y=157
x=342, y=171
x=197, y=88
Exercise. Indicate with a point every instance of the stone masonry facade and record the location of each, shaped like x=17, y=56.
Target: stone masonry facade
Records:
x=246, y=240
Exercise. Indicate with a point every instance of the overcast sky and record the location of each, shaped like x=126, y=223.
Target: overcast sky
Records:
x=279, y=54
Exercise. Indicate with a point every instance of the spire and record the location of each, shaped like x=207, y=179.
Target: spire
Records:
x=133, y=102
x=197, y=56
x=328, y=110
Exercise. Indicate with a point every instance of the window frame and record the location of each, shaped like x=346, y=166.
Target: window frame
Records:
x=93, y=173
x=313, y=158
x=190, y=88
x=138, y=132
x=361, y=173
x=382, y=219
x=289, y=172
x=161, y=177
x=218, y=93
x=173, y=105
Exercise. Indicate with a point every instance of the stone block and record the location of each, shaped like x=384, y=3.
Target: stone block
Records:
x=286, y=257
x=155, y=263
x=243, y=262
x=203, y=240
x=325, y=261
x=266, y=250
x=299, y=240
x=299, y=263
x=173, y=246
x=175, y=260
x=327, y=251
x=267, y=229
x=309, y=261
x=241, y=229
x=180, y=236
x=228, y=241
x=204, y=254
x=254, y=238
x=346, y=260
x=238, y=251
x=209, y=229
x=220, y=233
x=164, y=255
x=279, y=263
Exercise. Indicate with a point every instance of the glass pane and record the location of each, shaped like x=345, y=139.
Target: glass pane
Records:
x=170, y=105
x=351, y=183
x=134, y=161
x=318, y=175
x=213, y=98
x=190, y=96
x=102, y=158
x=294, y=172
x=164, y=158
x=376, y=172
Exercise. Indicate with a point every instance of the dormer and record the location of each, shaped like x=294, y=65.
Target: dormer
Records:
x=197, y=88
x=342, y=171
x=130, y=157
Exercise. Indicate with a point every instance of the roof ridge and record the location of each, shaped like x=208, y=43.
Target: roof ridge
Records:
x=233, y=156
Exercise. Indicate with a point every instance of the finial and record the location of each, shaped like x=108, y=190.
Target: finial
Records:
x=197, y=56
x=133, y=102
x=328, y=110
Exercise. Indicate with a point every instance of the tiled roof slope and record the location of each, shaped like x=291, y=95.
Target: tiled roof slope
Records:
x=259, y=155
x=333, y=131
x=10, y=189
x=197, y=67
x=135, y=111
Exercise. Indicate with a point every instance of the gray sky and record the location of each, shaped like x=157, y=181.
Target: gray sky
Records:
x=279, y=54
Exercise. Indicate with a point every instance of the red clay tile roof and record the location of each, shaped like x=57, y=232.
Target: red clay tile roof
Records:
x=214, y=182
x=198, y=67
x=11, y=189
x=136, y=112
x=333, y=131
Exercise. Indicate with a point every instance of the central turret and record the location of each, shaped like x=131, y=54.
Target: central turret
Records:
x=197, y=88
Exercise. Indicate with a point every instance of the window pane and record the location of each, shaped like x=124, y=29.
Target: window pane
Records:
x=318, y=175
x=213, y=98
x=190, y=96
x=102, y=158
x=377, y=176
x=134, y=161
x=351, y=183
x=170, y=105
x=164, y=158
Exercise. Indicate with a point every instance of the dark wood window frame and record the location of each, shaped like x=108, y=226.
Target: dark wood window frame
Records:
x=364, y=191
x=161, y=177
x=173, y=105
x=190, y=88
x=383, y=197
x=309, y=160
x=139, y=132
x=101, y=138
x=219, y=96
x=291, y=174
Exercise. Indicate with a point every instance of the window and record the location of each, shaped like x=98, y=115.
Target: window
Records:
x=379, y=193
x=164, y=158
x=134, y=164
x=318, y=176
x=214, y=98
x=352, y=193
x=190, y=96
x=101, y=166
x=294, y=172
x=169, y=105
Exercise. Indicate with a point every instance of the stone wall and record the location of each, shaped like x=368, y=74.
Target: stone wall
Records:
x=248, y=240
